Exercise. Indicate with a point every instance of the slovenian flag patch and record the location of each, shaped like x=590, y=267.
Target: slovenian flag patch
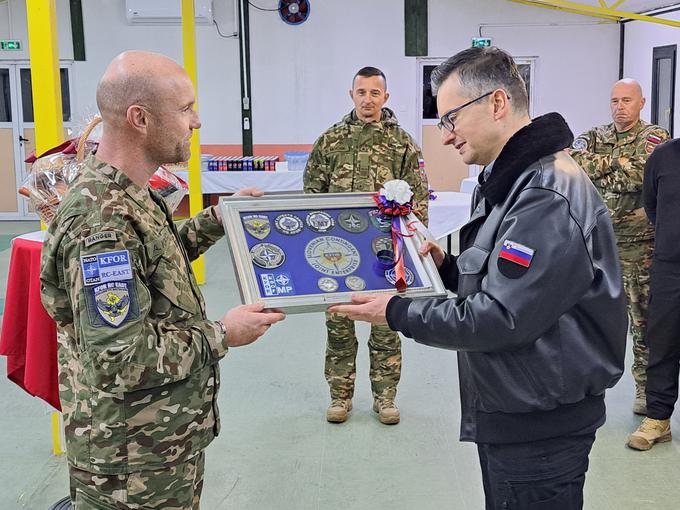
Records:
x=517, y=253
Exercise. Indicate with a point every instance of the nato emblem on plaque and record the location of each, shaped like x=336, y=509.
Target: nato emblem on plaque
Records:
x=267, y=255
x=352, y=222
x=320, y=221
x=381, y=243
x=277, y=284
x=391, y=277
x=355, y=283
x=288, y=224
x=380, y=221
x=327, y=284
x=332, y=256
x=257, y=225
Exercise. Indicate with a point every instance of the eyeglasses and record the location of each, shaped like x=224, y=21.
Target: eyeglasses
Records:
x=446, y=120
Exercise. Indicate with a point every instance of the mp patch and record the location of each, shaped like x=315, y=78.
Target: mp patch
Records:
x=277, y=284
x=112, y=266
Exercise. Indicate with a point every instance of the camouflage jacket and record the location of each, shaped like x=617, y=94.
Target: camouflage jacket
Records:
x=616, y=165
x=357, y=156
x=138, y=372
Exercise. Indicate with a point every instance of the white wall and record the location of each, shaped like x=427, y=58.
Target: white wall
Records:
x=640, y=39
x=301, y=74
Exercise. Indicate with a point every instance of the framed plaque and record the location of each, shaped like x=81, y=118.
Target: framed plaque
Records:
x=304, y=252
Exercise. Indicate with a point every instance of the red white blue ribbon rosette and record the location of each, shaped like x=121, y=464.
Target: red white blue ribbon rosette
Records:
x=395, y=200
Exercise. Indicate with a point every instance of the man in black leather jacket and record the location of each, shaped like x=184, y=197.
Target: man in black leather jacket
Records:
x=539, y=319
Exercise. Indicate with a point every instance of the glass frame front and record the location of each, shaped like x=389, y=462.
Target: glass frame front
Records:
x=330, y=246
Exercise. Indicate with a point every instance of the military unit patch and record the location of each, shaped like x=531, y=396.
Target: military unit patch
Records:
x=257, y=225
x=267, y=255
x=320, y=221
x=100, y=236
x=113, y=266
x=327, y=284
x=332, y=256
x=381, y=243
x=579, y=144
x=109, y=292
x=652, y=142
x=380, y=221
x=391, y=276
x=288, y=224
x=277, y=284
x=355, y=283
x=352, y=222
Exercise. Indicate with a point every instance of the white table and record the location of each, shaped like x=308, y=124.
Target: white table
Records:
x=230, y=182
x=468, y=184
x=449, y=212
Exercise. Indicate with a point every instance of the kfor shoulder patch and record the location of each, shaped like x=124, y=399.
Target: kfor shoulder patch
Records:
x=111, y=266
x=100, y=236
x=579, y=144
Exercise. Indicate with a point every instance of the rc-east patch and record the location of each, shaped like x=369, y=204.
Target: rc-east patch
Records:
x=110, y=293
x=514, y=259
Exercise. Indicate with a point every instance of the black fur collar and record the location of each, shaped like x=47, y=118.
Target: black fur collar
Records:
x=545, y=135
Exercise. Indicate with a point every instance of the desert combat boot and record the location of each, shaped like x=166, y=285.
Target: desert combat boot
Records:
x=388, y=412
x=339, y=410
x=649, y=432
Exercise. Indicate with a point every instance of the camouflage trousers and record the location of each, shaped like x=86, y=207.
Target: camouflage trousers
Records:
x=636, y=258
x=384, y=348
x=175, y=488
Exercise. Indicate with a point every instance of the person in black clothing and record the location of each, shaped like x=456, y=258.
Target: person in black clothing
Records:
x=661, y=193
x=540, y=316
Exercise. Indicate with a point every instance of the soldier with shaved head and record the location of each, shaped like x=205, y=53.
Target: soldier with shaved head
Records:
x=614, y=157
x=138, y=357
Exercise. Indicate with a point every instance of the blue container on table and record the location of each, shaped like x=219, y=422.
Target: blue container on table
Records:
x=296, y=160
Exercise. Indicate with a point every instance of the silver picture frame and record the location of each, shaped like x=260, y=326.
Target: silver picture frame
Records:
x=240, y=213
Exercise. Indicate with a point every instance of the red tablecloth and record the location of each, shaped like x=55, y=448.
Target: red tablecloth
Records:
x=29, y=335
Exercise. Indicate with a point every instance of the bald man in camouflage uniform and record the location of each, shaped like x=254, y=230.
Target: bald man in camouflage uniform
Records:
x=138, y=358
x=360, y=153
x=614, y=157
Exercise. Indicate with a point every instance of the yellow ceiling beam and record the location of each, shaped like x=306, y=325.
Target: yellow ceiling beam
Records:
x=616, y=4
x=534, y=3
x=598, y=12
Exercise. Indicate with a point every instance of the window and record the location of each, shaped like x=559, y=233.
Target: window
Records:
x=663, y=86
x=27, y=95
x=5, y=97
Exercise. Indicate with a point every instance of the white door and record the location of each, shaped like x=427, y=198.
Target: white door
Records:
x=17, y=134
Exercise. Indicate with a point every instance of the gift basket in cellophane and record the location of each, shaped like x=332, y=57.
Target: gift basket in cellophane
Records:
x=51, y=174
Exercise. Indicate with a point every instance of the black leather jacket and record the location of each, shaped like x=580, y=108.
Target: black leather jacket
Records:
x=538, y=344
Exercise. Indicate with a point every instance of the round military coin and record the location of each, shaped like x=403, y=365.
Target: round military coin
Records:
x=390, y=276
x=352, y=221
x=267, y=255
x=355, y=283
x=320, y=221
x=380, y=221
x=288, y=224
x=332, y=255
x=381, y=243
x=327, y=284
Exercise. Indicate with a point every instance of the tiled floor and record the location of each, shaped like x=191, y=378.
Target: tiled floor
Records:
x=276, y=451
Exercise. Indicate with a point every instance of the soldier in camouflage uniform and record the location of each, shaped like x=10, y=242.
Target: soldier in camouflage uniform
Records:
x=138, y=359
x=360, y=153
x=614, y=157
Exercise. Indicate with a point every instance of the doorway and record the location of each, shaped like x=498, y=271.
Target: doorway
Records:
x=17, y=133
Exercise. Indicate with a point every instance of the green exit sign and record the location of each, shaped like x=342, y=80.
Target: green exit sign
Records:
x=7, y=44
x=481, y=42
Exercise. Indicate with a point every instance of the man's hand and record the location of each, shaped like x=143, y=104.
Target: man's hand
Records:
x=245, y=192
x=248, y=192
x=365, y=307
x=433, y=249
x=246, y=323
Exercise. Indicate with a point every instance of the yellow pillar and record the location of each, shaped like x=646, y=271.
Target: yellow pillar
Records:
x=49, y=128
x=195, y=195
x=44, y=53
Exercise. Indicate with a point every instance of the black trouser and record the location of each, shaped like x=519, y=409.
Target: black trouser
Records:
x=541, y=475
x=663, y=341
